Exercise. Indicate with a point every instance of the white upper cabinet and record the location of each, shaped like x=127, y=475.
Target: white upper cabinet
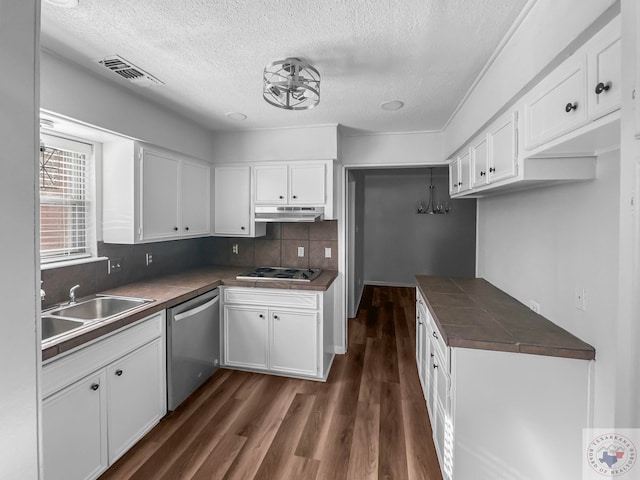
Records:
x=232, y=194
x=150, y=194
x=604, y=70
x=295, y=184
x=454, y=176
x=271, y=184
x=464, y=178
x=558, y=104
x=480, y=161
x=503, y=148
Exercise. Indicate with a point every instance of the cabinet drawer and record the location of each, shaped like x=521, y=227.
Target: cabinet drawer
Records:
x=440, y=347
x=558, y=104
x=68, y=369
x=272, y=298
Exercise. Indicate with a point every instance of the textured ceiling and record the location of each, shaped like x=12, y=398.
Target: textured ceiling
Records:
x=210, y=54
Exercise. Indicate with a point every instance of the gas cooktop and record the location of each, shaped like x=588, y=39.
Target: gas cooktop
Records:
x=281, y=273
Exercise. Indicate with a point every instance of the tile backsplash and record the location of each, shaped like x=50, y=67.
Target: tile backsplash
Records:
x=278, y=248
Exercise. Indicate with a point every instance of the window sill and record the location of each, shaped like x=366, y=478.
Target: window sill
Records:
x=69, y=263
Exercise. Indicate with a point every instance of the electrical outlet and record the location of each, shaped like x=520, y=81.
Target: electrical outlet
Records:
x=149, y=258
x=301, y=251
x=114, y=265
x=234, y=248
x=581, y=299
x=535, y=306
x=327, y=252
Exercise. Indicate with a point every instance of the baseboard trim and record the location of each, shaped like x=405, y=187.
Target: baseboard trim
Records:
x=374, y=283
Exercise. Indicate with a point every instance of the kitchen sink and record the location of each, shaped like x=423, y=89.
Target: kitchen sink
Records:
x=52, y=326
x=98, y=308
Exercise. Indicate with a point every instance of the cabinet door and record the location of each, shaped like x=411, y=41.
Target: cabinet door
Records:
x=454, y=177
x=270, y=184
x=307, y=184
x=232, y=195
x=159, y=196
x=420, y=338
x=136, y=397
x=294, y=342
x=464, y=179
x=246, y=337
x=479, y=162
x=195, y=195
x=558, y=104
x=74, y=430
x=503, y=155
x=441, y=423
x=603, y=60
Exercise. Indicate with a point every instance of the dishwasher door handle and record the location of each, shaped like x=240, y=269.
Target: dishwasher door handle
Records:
x=195, y=311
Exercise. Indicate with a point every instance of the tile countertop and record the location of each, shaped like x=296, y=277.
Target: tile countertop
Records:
x=169, y=291
x=472, y=313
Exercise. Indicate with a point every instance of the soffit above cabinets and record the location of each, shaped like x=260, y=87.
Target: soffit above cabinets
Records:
x=210, y=55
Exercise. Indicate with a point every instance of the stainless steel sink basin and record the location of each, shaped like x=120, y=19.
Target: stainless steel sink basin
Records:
x=98, y=308
x=52, y=326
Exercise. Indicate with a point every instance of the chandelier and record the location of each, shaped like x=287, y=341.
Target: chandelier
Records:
x=433, y=206
x=291, y=84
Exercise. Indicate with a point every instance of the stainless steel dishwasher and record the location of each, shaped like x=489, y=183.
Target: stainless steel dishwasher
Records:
x=193, y=345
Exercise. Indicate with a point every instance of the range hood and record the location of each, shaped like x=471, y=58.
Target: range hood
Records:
x=288, y=214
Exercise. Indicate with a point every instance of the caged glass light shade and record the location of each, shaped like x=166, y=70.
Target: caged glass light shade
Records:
x=291, y=84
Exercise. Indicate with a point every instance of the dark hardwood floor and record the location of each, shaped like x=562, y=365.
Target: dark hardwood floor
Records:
x=368, y=421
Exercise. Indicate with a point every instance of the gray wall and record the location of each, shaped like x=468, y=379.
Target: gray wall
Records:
x=399, y=244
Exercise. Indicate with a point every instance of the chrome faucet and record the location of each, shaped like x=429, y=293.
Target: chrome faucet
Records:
x=72, y=294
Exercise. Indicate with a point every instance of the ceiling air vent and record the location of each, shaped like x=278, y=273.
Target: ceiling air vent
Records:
x=129, y=71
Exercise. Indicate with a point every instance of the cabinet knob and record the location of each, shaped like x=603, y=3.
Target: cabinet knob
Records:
x=432, y=355
x=261, y=316
x=119, y=373
x=295, y=196
x=276, y=317
x=175, y=229
x=482, y=174
x=281, y=197
x=241, y=228
x=491, y=170
x=601, y=87
x=570, y=106
x=435, y=335
x=95, y=386
x=435, y=365
x=186, y=228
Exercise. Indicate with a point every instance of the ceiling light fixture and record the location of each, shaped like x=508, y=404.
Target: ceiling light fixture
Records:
x=291, y=84
x=392, y=105
x=236, y=115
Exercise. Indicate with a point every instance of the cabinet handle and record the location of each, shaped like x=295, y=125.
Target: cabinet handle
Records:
x=175, y=229
x=601, y=87
x=241, y=228
x=118, y=373
x=491, y=170
x=95, y=386
x=570, y=106
x=482, y=174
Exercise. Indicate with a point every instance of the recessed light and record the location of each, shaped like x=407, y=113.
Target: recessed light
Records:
x=392, y=105
x=236, y=116
x=63, y=3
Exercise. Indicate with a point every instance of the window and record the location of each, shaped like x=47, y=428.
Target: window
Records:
x=65, y=195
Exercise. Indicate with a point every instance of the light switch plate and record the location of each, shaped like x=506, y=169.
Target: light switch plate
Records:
x=327, y=252
x=301, y=251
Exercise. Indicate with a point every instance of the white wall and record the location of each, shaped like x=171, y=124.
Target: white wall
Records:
x=19, y=347
x=304, y=143
x=72, y=91
x=423, y=148
x=542, y=244
x=550, y=27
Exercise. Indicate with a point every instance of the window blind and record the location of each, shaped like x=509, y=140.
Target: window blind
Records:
x=63, y=204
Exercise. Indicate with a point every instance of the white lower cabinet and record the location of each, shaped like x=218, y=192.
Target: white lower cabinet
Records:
x=74, y=430
x=287, y=332
x=101, y=399
x=489, y=409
